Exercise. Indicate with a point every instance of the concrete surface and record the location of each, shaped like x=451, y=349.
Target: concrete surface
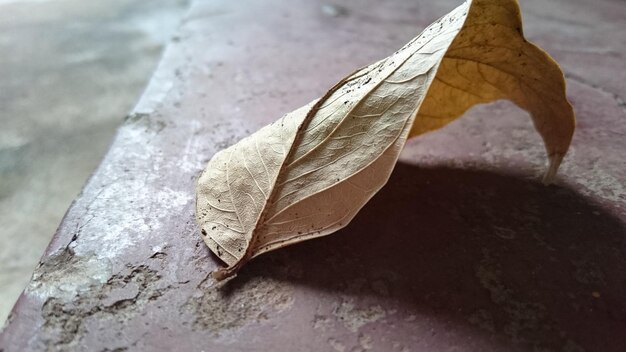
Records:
x=70, y=70
x=463, y=250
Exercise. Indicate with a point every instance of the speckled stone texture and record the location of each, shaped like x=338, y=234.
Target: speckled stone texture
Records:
x=463, y=250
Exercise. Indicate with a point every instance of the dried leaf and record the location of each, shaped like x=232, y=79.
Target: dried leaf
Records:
x=490, y=60
x=309, y=173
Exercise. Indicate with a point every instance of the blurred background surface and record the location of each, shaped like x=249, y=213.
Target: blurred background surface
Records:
x=69, y=72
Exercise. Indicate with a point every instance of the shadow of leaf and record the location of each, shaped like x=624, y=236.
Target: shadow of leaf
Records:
x=523, y=265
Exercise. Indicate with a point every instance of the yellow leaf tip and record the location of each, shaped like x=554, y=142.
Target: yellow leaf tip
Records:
x=553, y=167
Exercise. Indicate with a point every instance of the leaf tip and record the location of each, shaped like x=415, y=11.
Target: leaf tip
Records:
x=553, y=167
x=222, y=274
x=226, y=274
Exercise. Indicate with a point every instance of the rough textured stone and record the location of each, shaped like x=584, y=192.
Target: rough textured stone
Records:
x=70, y=70
x=462, y=250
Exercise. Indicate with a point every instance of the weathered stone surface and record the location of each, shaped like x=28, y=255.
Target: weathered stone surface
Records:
x=70, y=70
x=462, y=250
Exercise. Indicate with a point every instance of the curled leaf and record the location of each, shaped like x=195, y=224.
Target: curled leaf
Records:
x=309, y=173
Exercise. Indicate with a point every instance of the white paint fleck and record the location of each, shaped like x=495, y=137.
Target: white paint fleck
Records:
x=336, y=345
x=353, y=318
x=76, y=275
x=323, y=323
x=121, y=215
x=365, y=341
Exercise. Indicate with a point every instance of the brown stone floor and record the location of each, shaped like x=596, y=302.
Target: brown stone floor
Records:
x=463, y=250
